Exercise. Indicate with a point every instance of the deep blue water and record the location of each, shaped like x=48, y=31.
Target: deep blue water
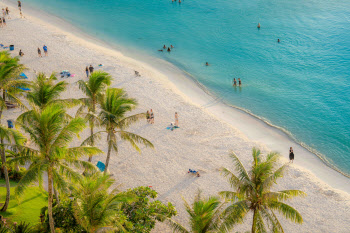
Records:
x=300, y=84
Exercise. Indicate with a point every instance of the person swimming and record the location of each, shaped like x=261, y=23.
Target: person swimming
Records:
x=169, y=49
x=278, y=40
x=239, y=82
x=172, y=46
x=164, y=47
x=207, y=64
x=259, y=25
x=234, y=82
x=160, y=50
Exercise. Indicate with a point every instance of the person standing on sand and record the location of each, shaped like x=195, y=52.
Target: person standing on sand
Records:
x=0, y=22
x=148, y=117
x=91, y=69
x=39, y=53
x=291, y=155
x=4, y=21
x=176, y=119
x=21, y=53
x=8, y=13
x=45, y=50
x=19, y=6
x=87, y=71
x=151, y=117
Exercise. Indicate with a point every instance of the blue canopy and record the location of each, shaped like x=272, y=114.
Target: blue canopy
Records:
x=101, y=166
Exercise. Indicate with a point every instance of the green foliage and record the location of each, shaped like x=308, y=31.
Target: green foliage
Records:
x=16, y=175
x=63, y=215
x=253, y=192
x=144, y=212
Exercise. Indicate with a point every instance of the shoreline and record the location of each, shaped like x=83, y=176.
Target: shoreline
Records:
x=183, y=80
x=198, y=138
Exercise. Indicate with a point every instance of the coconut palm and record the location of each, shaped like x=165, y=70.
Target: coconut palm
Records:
x=96, y=208
x=10, y=69
x=45, y=92
x=114, y=106
x=51, y=134
x=93, y=89
x=10, y=136
x=206, y=215
x=252, y=192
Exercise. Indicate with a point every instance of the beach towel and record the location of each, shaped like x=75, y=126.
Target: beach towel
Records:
x=23, y=76
x=101, y=166
x=24, y=89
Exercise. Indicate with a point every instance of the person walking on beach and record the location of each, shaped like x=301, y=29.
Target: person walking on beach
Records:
x=45, y=50
x=91, y=69
x=3, y=12
x=19, y=6
x=239, y=82
x=39, y=53
x=87, y=71
x=4, y=21
x=234, y=82
x=151, y=117
x=8, y=13
x=21, y=53
x=0, y=22
x=291, y=155
x=148, y=117
x=176, y=119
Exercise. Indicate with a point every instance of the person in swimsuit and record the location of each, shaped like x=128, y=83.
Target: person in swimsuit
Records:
x=4, y=21
x=176, y=119
x=87, y=71
x=207, y=64
x=19, y=5
x=291, y=155
x=21, y=53
x=148, y=117
x=258, y=25
x=45, y=49
x=164, y=47
x=278, y=40
x=239, y=82
x=39, y=53
x=172, y=46
x=169, y=49
x=0, y=22
x=8, y=13
x=151, y=117
x=234, y=82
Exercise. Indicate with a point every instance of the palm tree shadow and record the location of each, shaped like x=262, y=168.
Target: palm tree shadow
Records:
x=183, y=184
x=20, y=202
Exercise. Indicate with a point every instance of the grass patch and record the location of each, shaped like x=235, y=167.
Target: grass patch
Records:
x=27, y=207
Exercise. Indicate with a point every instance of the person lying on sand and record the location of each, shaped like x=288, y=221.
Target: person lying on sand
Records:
x=194, y=172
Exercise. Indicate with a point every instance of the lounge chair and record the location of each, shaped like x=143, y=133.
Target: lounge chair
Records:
x=101, y=166
x=10, y=124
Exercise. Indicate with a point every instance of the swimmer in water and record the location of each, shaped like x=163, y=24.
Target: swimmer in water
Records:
x=164, y=47
x=207, y=64
x=171, y=46
x=278, y=40
x=234, y=82
x=160, y=50
x=169, y=49
x=239, y=82
x=259, y=25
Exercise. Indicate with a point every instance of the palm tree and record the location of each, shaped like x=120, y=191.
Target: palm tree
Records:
x=206, y=216
x=45, y=92
x=10, y=70
x=10, y=136
x=94, y=207
x=51, y=133
x=253, y=192
x=114, y=106
x=93, y=89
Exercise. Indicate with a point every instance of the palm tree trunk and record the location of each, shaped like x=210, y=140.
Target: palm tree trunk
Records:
x=92, y=140
x=49, y=176
x=7, y=180
x=254, y=222
x=56, y=196
x=108, y=154
x=17, y=167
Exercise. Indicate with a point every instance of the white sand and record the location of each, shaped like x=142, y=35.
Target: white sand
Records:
x=208, y=130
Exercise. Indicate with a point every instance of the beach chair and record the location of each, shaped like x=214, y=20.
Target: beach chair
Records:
x=10, y=124
x=10, y=105
x=100, y=166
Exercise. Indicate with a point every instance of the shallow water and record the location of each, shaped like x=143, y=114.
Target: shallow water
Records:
x=300, y=84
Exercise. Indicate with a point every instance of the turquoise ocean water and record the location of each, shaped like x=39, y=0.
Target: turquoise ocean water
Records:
x=301, y=84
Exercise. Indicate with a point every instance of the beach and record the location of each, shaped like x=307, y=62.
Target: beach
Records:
x=208, y=129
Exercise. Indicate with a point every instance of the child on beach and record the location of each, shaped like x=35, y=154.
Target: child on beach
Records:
x=291, y=155
x=45, y=49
